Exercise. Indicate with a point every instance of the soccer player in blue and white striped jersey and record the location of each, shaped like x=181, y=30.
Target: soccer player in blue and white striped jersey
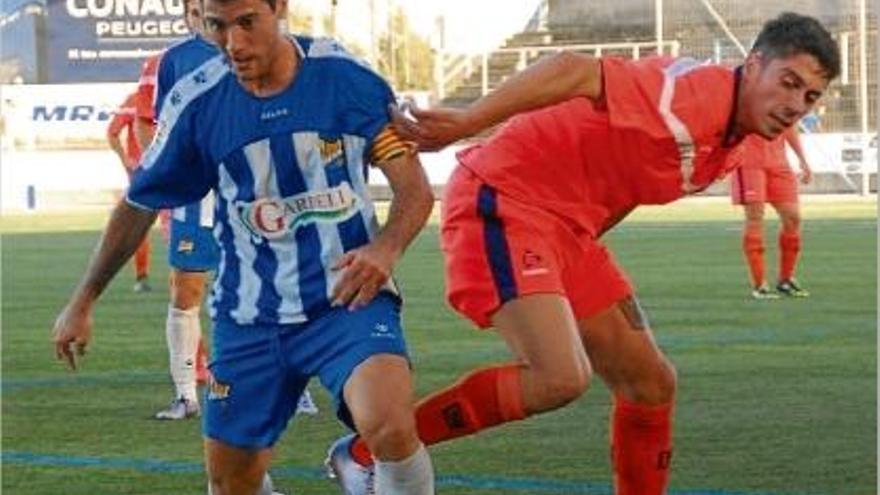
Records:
x=284, y=130
x=192, y=250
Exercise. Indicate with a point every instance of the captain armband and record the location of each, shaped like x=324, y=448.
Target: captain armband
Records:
x=388, y=145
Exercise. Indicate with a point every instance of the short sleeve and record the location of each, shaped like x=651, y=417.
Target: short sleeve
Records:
x=370, y=96
x=173, y=171
x=632, y=91
x=147, y=89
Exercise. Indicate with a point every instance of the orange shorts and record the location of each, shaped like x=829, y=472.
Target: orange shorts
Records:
x=763, y=185
x=498, y=248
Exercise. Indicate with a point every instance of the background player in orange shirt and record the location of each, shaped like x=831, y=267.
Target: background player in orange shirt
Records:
x=130, y=155
x=524, y=211
x=763, y=175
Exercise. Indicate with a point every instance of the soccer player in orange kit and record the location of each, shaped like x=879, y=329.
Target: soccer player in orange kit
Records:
x=130, y=155
x=764, y=176
x=523, y=214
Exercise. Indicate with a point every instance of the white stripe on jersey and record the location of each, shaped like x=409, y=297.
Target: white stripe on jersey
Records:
x=259, y=158
x=678, y=129
x=206, y=211
x=249, y=282
x=184, y=92
x=305, y=145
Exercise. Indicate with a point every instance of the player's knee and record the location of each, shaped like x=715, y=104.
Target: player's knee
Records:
x=791, y=223
x=660, y=385
x=186, y=290
x=562, y=386
x=391, y=436
x=666, y=382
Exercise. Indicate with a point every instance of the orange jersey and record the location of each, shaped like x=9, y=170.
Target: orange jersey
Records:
x=757, y=152
x=123, y=119
x=659, y=133
x=147, y=88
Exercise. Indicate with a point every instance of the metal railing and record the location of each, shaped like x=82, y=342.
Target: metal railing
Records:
x=461, y=68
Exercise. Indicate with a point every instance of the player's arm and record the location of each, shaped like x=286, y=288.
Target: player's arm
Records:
x=792, y=137
x=552, y=80
x=368, y=268
x=113, y=131
x=145, y=103
x=143, y=132
x=124, y=232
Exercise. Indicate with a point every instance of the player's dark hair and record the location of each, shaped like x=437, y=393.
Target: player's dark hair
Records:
x=270, y=2
x=793, y=34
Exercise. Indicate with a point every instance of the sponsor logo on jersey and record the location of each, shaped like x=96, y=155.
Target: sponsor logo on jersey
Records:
x=185, y=246
x=382, y=331
x=272, y=218
x=533, y=264
x=274, y=113
x=331, y=150
x=217, y=390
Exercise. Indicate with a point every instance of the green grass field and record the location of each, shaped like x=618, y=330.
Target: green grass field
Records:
x=776, y=398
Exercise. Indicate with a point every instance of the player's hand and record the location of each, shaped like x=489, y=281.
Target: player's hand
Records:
x=432, y=129
x=365, y=271
x=806, y=174
x=72, y=333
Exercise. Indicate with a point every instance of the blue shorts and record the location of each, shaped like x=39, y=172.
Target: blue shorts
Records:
x=259, y=372
x=192, y=247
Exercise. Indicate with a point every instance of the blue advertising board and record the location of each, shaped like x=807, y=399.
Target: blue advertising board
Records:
x=108, y=40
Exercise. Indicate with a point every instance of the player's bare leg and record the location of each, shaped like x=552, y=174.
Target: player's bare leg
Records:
x=551, y=369
x=789, y=249
x=234, y=471
x=379, y=395
x=753, y=250
x=183, y=335
x=623, y=352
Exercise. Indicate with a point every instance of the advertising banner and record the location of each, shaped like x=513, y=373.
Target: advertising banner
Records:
x=108, y=40
x=59, y=116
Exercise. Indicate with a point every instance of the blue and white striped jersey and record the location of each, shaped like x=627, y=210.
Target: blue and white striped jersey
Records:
x=289, y=171
x=178, y=61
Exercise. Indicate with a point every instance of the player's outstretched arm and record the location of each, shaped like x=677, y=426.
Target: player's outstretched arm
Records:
x=369, y=267
x=124, y=232
x=552, y=80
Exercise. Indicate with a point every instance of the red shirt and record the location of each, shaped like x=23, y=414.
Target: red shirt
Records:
x=755, y=152
x=658, y=134
x=147, y=89
x=123, y=119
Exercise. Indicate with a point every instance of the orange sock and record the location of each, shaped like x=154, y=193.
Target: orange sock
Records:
x=484, y=398
x=641, y=447
x=142, y=259
x=753, y=249
x=789, y=249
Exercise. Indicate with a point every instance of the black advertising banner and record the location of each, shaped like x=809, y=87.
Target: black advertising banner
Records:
x=108, y=40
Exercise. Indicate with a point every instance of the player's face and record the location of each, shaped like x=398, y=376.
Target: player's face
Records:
x=193, y=15
x=776, y=93
x=248, y=33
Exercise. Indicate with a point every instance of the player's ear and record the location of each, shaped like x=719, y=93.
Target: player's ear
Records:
x=753, y=64
x=281, y=10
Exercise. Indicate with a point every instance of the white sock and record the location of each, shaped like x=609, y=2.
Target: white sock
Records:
x=411, y=476
x=267, y=488
x=182, y=333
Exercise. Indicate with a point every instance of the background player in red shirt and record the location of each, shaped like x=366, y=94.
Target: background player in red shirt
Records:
x=130, y=155
x=763, y=175
x=524, y=211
